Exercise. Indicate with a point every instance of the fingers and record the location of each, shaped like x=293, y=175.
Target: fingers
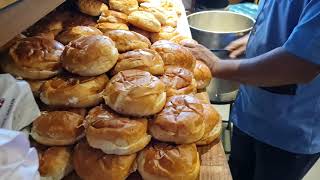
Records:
x=188, y=44
x=237, y=52
x=234, y=45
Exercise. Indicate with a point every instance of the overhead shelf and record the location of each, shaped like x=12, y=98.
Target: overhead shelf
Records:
x=19, y=16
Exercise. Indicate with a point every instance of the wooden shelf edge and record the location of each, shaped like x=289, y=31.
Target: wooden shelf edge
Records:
x=21, y=15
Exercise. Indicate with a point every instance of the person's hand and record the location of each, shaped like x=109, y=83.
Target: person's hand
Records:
x=200, y=52
x=238, y=47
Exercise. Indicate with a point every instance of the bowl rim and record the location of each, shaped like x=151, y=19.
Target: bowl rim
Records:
x=222, y=11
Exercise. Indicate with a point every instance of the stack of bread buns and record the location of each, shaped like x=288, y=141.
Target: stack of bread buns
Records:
x=119, y=95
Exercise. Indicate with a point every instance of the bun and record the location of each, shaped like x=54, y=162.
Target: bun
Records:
x=211, y=118
x=203, y=97
x=178, y=81
x=140, y=31
x=128, y=40
x=145, y=20
x=92, y=7
x=55, y=163
x=163, y=161
x=178, y=38
x=174, y=55
x=34, y=58
x=35, y=86
x=114, y=134
x=90, y=55
x=202, y=74
x=125, y=6
x=166, y=33
x=106, y=26
x=113, y=17
x=57, y=128
x=214, y=134
x=143, y=59
x=76, y=32
x=72, y=91
x=93, y=164
x=135, y=93
x=171, y=19
x=181, y=121
x=158, y=12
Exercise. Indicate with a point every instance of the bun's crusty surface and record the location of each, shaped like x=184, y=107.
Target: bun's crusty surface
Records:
x=143, y=59
x=178, y=81
x=158, y=12
x=125, y=6
x=90, y=55
x=76, y=32
x=202, y=74
x=128, y=40
x=181, y=121
x=166, y=33
x=171, y=19
x=214, y=134
x=144, y=20
x=93, y=164
x=170, y=162
x=57, y=128
x=73, y=91
x=92, y=7
x=178, y=38
x=114, y=134
x=55, y=163
x=113, y=17
x=174, y=54
x=203, y=97
x=107, y=26
x=34, y=58
x=135, y=93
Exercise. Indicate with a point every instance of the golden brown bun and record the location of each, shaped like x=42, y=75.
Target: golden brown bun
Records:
x=128, y=40
x=57, y=128
x=34, y=58
x=35, y=86
x=169, y=5
x=73, y=91
x=55, y=163
x=113, y=17
x=211, y=118
x=162, y=161
x=5, y=48
x=114, y=134
x=143, y=59
x=214, y=134
x=158, y=12
x=166, y=33
x=171, y=19
x=77, y=32
x=125, y=6
x=178, y=38
x=106, y=26
x=90, y=55
x=178, y=81
x=174, y=54
x=135, y=93
x=202, y=74
x=93, y=164
x=180, y=121
x=203, y=97
x=92, y=7
x=144, y=20
x=140, y=31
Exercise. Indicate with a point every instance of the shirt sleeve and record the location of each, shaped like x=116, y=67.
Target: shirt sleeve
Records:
x=304, y=41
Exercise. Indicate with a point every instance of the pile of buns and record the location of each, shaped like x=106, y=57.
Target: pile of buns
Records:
x=118, y=96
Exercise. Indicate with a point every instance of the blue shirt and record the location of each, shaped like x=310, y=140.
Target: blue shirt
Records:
x=289, y=122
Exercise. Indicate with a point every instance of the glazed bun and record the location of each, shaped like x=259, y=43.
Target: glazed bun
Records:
x=178, y=81
x=166, y=33
x=107, y=26
x=144, y=20
x=93, y=164
x=125, y=6
x=57, y=128
x=35, y=86
x=34, y=58
x=135, y=93
x=202, y=74
x=164, y=161
x=143, y=59
x=174, y=54
x=114, y=134
x=90, y=55
x=128, y=40
x=76, y=32
x=55, y=163
x=73, y=91
x=211, y=119
x=113, y=17
x=91, y=7
x=158, y=12
x=181, y=121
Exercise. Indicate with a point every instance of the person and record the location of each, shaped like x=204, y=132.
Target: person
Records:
x=201, y=5
x=276, y=115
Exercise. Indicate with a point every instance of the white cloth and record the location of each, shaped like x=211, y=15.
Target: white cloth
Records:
x=17, y=160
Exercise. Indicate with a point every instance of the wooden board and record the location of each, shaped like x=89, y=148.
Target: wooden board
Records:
x=19, y=16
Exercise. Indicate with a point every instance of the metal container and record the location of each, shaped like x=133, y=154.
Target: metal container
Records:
x=215, y=30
